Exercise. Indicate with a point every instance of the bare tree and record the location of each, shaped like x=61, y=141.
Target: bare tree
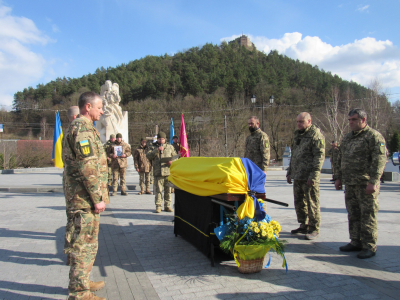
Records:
x=377, y=106
x=336, y=113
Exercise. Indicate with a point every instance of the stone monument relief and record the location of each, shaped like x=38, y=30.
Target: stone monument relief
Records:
x=114, y=120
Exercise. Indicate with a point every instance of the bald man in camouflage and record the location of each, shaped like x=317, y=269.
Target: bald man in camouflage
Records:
x=360, y=164
x=257, y=145
x=308, y=155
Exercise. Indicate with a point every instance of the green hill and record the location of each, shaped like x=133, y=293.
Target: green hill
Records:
x=198, y=71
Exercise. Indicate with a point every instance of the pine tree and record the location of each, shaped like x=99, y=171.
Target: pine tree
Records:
x=394, y=144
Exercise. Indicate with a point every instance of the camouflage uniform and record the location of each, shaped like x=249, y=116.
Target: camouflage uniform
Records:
x=257, y=149
x=108, y=145
x=143, y=164
x=177, y=147
x=308, y=154
x=151, y=147
x=119, y=165
x=85, y=184
x=69, y=228
x=334, y=156
x=361, y=160
x=161, y=173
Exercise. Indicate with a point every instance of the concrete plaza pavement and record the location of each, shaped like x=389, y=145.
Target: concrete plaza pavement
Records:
x=140, y=258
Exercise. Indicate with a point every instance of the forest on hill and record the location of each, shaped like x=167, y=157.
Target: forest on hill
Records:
x=211, y=84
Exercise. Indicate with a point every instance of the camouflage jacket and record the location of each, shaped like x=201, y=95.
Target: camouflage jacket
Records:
x=308, y=154
x=177, y=147
x=141, y=161
x=160, y=167
x=107, y=145
x=257, y=149
x=119, y=162
x=334, y=155
x=362, y=157
x=85, y=166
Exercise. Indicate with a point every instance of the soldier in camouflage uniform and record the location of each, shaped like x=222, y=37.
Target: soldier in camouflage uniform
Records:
x=360, y=164
x=308, y=155
x=119, y=164
x=107, y=145
x=176, y=144
x=161, y=156
x=257, y=145
x=86, y=193
x=143, y=166
x=177, y=147
x=72, y=113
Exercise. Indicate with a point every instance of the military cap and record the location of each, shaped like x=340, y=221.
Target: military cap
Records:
x=119, y=135
x=174, y=137
x=143, y=139
x=112, y=136
x=161, y=135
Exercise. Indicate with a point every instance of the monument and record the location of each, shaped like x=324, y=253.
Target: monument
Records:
x=114, y=120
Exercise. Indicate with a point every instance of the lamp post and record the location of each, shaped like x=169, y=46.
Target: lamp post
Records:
x=271, y=99
x=253, y=100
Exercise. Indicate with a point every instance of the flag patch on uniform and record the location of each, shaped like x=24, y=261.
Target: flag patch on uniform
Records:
x=85, y=148
x=382, y=144
x=266, y=145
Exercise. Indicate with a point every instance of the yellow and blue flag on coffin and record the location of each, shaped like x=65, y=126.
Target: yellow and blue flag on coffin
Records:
x=207, y=176
x=57, y=143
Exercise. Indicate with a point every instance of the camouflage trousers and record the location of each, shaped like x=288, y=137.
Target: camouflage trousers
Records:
x=144, y=181
x=151, y=176
x=69, y=233
x=110, y=178
x=306, y=204
x=160, y=183
x=362, y=212
x=119, y=173
x=84, y=245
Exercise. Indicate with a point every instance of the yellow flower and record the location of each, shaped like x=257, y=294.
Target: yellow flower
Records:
x=270, y=235
x=263, y=233
x=256, y=230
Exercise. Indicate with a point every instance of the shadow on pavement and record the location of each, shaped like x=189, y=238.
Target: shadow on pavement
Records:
x=14, y=287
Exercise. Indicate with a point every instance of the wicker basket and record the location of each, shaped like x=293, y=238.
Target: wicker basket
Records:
x=251, y=266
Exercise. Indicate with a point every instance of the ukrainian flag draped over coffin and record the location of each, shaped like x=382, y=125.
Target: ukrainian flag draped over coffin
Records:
x=207, y=176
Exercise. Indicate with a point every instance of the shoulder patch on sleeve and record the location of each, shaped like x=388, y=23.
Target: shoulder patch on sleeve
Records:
x=266, y=144
x=86, y=148
x=382, y=144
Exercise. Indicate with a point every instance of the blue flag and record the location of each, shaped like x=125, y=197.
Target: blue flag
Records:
x=172, y=131
x=57, y=143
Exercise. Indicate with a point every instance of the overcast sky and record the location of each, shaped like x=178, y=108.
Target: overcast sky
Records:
x=45, y=39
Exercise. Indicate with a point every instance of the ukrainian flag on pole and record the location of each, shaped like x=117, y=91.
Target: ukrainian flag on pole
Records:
x=172, y=131
x=57, y=143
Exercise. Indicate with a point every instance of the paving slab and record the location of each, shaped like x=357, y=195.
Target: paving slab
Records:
x=140, y=258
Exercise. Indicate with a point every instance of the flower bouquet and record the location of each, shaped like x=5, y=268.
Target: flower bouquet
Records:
x=250, y=240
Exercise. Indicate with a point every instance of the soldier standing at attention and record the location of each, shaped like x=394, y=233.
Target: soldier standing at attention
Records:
x=72, y=113
x=86, y=194
x=161, y=157
x=308, y=155
x=119, y=164
x=176, y=144
x=143, y=166
x=177, y=147
x=360, y=164
x=107, y=145
x=257, y=145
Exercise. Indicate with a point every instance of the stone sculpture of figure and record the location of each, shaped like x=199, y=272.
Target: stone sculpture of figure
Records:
x=114, y=120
